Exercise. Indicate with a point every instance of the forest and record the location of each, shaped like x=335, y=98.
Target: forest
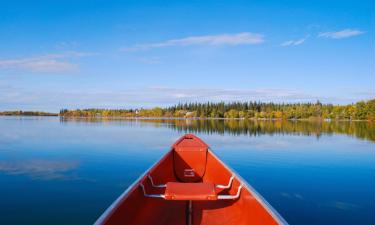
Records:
x=363, y=110
x=26, y=113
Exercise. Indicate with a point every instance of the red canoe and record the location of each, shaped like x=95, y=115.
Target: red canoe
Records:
x=190, y=185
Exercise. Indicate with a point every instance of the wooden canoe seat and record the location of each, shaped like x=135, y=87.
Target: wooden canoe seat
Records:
x=190, y=191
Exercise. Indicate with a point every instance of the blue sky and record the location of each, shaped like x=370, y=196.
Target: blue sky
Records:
x=121, y=54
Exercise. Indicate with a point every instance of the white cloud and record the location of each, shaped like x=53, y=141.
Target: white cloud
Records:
x=370, y=93
x=45, y=63
x=245, y=38
x=14, y=96
x=294, y=42
x=38, y=65
x=220, y=94
x=346, y=33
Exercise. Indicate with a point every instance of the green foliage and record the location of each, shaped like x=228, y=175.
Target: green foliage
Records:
x=232, y=113
x=26, y=113
x=246, y=110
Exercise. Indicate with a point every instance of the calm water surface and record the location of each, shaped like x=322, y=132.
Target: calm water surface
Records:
x=56, y=171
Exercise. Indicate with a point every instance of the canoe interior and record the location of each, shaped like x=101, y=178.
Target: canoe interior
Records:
x=134, y=208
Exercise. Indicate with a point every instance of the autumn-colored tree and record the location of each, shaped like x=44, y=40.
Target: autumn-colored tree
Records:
x=364, y=110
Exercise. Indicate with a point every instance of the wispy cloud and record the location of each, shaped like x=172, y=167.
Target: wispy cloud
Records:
x=294, y=42
x=45, y=63
x=245, y=38
x=24, y=98
x=220, y=94
x=346, y=33
x=14, y=97
x=366, y=92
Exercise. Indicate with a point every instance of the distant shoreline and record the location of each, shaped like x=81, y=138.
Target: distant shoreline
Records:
x=213, y=118
x=184, y=118
x=359, y=111
x=27, y=113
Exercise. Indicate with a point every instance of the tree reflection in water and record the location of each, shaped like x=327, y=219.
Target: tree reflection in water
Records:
x=358, y=129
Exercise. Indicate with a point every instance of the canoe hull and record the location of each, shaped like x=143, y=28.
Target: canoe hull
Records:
x=133, y=207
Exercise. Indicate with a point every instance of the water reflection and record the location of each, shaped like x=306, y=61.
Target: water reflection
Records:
x=341, y=205
x=43, y=169
x=81, y=165
x=358, y=129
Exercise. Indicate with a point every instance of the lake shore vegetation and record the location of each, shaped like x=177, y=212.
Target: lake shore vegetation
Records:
x=363, y=110
x=27, y=113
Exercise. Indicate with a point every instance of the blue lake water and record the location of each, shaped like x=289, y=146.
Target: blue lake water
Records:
x=61, y=171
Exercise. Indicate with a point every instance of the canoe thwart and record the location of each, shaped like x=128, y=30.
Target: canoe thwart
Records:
x=191, y=191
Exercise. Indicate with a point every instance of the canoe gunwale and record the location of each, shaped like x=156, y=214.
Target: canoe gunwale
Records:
x=123, y=196
x=280, y=220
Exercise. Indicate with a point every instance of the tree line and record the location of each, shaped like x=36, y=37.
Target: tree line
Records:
x=26, y=113
x=363, y=110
